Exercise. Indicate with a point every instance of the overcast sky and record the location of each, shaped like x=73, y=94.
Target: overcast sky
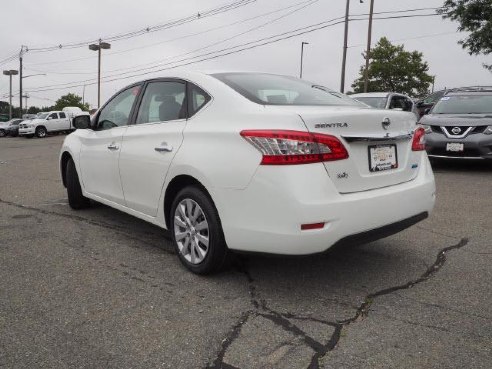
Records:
x=54, y=22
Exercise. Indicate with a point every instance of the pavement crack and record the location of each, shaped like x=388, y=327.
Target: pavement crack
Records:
x=363, y=310
x=113, y=227
x=227, y=342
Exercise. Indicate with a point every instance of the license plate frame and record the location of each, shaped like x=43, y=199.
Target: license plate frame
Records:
x=385, y=153
x=455, y=147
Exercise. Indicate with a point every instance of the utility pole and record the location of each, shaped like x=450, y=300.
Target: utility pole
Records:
x=83, y=95
x=98, y=47
x=26, y=96
x=20, y=76
x=345, y=42
x=302, y=54
x=368, y=50
x=10, y=73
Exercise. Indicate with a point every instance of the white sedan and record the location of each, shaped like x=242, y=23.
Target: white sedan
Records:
x=250, y=162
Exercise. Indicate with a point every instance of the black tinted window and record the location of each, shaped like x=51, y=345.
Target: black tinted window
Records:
x=53, y=116
x=269, y=89
x=163, y=101
x=62, y=115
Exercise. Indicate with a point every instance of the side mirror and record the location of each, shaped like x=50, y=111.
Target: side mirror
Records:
x=82, y=122
x=49, y=118
x=427, y=111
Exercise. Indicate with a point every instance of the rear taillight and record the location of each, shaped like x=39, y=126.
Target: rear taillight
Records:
x=418, y=143
x=294, y=147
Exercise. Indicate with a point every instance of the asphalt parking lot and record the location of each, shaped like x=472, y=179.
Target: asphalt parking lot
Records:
x=100, y=289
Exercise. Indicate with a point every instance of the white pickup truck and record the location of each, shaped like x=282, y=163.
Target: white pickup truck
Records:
x=50, y=122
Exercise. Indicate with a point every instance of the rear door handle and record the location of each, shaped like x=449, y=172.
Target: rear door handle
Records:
x=113, y=147
x=164, y=148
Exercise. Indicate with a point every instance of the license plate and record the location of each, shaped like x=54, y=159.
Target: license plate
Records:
x=455, y=147
x=382, y=157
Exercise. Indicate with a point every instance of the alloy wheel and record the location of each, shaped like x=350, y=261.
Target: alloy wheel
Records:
x=191, y=231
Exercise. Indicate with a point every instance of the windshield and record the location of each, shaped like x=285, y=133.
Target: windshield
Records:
x=464, y=104
x=269, y=89
x=375, y=102
x=42, y=115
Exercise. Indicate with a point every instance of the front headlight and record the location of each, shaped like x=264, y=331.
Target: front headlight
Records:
x=428, y=129
x=488, y=130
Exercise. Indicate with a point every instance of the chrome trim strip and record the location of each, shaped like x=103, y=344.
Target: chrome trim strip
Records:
x=387, y=137
x=443, y=128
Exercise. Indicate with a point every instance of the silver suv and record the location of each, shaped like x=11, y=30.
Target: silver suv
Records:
x=460, y=124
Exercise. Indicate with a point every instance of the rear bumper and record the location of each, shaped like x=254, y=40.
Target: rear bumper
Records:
x=476, y=146
x=266, y=217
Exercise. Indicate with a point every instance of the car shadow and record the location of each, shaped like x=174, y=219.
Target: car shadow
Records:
x=448, y=165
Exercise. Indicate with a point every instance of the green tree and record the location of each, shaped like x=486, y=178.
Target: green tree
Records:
x=70, y=100
x=474, y=16
x=392, y=69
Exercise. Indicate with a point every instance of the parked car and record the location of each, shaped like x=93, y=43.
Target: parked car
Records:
x=425, y=105
x=10, y=128
x=387, y=100
x=250, y=162
x=49, y=122
x=460, y=124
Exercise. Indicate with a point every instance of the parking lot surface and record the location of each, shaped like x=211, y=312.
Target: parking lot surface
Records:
x=100, y=289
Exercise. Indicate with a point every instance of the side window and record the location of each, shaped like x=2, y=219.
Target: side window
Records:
x=407, y=104
x=397, y=102
x=197, y=99
x=162, y=101
x=117, y=112
x=53, y=116
x=62, y=115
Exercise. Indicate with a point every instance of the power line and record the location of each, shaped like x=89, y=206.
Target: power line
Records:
x=160, y=62
x=174, y=23
x=230, y=50
x=176, y=38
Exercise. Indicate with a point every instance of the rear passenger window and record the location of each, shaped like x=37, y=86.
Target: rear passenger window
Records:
x=198, y=98
x=62, y=115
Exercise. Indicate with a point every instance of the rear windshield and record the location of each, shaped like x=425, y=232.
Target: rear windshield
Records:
x=464, y=104
x=375, y=102
x=270, y=89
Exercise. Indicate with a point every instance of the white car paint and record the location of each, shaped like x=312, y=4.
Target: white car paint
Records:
x=261, y=207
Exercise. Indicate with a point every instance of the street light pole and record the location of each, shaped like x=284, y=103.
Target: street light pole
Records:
x=10, y=73
x=345, y=43
x=98, y=47
x=368, y=50
x=302, y=54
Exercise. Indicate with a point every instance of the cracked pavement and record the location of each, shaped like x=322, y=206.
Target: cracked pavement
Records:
x=98, y=288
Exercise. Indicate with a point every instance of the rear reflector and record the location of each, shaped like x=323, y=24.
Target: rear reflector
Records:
x=282, y=147
x=418, y=143
x=307, y=227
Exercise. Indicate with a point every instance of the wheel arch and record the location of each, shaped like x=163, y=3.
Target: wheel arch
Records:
x=65, y=157
x=175, y=185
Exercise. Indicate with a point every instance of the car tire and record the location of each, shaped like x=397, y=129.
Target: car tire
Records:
x=41, y=132
x=76, y=199
x=2, y=133
x=192, y=208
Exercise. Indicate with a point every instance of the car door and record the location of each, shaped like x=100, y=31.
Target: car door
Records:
x=150, y=145
x=101, y=147
x=63, y=122
x=52, y=122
